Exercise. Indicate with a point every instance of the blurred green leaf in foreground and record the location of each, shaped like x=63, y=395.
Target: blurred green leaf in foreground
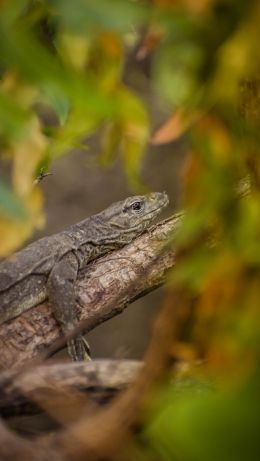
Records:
x=210, y=49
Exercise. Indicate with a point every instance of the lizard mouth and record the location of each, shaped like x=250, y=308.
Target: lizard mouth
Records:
x=162, y=200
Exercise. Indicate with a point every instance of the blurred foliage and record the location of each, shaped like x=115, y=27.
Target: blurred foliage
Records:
x=66, y=57
x=210, y=49
x=200, y=425
x=205, y=62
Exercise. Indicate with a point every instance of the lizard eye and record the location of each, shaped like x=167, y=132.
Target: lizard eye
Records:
x=137, y=206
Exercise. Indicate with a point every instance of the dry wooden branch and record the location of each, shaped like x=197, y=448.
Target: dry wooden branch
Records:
x=104, y=288
x=109, y=430
x=99, y=380
x=101, y=434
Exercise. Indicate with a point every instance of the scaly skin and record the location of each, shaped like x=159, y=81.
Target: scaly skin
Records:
x=48, y=268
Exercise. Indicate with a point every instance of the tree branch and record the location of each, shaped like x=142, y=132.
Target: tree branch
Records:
x=27, y=392
x=105, y=287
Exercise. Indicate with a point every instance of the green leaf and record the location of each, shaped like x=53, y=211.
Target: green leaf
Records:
x=86, y=15
x=13, y=118
x=59, y=103
x=203, y=426
x=10, y=205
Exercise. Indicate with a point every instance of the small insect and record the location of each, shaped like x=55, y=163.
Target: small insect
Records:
x=41, y=176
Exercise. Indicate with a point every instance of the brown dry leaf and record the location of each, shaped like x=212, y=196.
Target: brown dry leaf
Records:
x=173, y=128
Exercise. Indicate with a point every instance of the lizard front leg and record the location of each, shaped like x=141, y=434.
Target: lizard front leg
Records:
x=61, y=293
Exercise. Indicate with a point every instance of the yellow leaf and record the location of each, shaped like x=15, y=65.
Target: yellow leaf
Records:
x=27, y=153
x=110, y=141
x=74, y=49
x=135, y=134
x=23, y=93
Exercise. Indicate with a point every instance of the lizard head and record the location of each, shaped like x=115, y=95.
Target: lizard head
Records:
x=132, y=216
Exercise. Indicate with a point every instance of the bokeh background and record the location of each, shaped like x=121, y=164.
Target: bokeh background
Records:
x=117, y=97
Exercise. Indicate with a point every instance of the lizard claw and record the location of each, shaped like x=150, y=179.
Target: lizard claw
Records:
x=78, y=349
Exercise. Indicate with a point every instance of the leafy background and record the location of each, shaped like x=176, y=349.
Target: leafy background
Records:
x=138, y=74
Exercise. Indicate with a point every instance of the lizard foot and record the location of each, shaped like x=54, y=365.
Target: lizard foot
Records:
x=78, y=349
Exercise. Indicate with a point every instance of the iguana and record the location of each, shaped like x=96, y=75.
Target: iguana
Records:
x=48, y=268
